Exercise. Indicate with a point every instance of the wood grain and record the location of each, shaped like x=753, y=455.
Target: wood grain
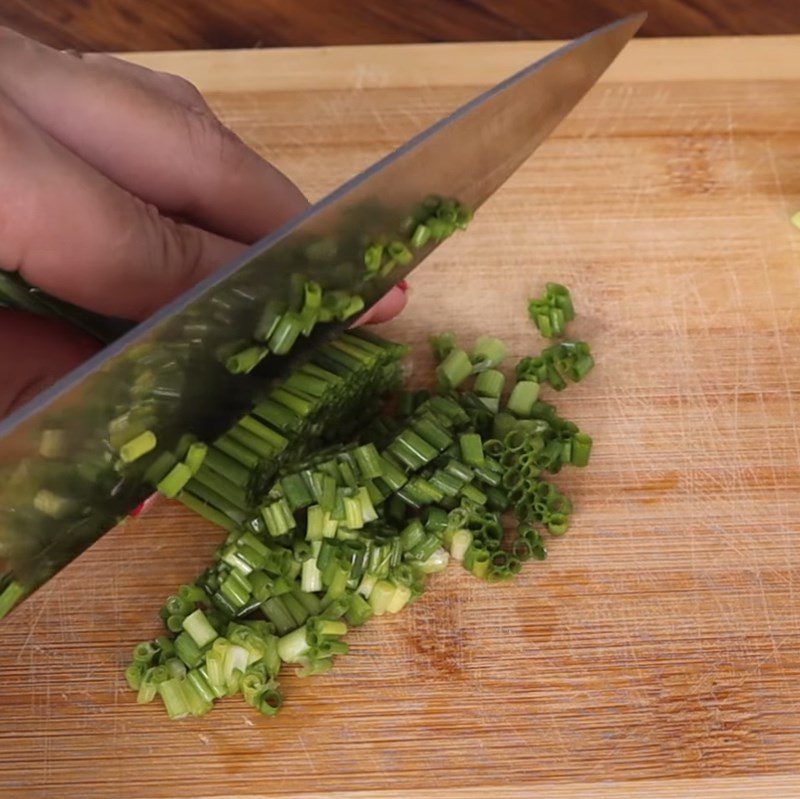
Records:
x=656, y=652
x=165, y=25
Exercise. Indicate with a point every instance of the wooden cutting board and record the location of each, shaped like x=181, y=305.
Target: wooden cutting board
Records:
x=656, y=653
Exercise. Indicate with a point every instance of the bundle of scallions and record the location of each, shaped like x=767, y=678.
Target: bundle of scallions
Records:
x=352, y=528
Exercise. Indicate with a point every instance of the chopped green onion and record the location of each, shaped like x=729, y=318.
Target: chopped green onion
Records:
x=175, y=480
x=244, y=361
x=398, y=251
x=134, y=673
x=442, y=345
x=551, y=312
x=187, y=650
x=373, y=256
x=195, y=456
x=460, y=542
x=471, y=449
x=137, y=447
x=454, y=369
x=381, y=597
x=276, y=611
x=581, y=449
x=427, y=428
x=145, y=652
x=9, y=597
x=206, y=511
x=285, y=333
x=400, y=598
x=54, y=505
x=53, y=442
x=487, y=353
x=437, y=561
x=293, y=646
x=522, y=399
x=296, y=491
x=421, y=236
x=359, y=611
x=557, y=524
x=278, y=518
x=412, y=450
x=196, y=702
x=489, y=384
x=268, y=321
x=199, y=628
x=148, y=686
x=311, y=579
x=354, y=305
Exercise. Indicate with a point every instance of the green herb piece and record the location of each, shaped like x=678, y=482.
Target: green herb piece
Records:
x=551, y=312
x=454, y=369
x=522, y=399
x=487, y=353
x=442, y=345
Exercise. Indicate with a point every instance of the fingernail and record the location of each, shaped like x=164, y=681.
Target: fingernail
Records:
x=364, y=319
x=144, y=506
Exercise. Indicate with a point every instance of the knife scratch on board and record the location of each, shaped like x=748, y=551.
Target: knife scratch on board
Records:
x=309, y=760
x=31, y=632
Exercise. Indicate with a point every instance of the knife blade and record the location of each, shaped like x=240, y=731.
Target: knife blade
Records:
x=61, y=483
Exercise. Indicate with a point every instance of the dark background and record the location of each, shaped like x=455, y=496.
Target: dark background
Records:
x=180, y=24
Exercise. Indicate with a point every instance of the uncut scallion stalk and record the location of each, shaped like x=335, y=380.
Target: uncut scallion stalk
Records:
x=16, y=293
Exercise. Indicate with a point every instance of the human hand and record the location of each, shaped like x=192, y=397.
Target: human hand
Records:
x=120, y=190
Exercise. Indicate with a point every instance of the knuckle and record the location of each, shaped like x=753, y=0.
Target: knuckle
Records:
x=186, y=243
x=183, y=91
x=173, y=255
x=179, y=249
x=101, y=61
x=214, y=145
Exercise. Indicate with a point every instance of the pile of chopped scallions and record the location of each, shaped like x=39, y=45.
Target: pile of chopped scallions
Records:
x=341, y=493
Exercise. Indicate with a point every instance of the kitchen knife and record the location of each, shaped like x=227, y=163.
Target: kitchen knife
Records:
x=61, y=485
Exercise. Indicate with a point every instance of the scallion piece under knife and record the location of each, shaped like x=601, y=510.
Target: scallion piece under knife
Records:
x=285, y=333
x=9, y=597
x=244, y=361
x=137, y=447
